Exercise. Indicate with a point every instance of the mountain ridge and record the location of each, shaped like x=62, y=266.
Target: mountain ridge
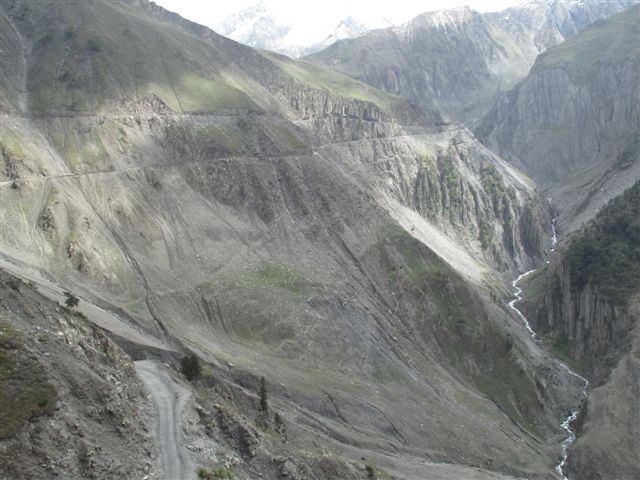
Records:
x=460, y=69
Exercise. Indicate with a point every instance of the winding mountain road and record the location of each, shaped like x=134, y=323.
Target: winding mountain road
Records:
x=169, y=399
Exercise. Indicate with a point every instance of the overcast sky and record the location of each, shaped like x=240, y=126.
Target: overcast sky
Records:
x=212, y=12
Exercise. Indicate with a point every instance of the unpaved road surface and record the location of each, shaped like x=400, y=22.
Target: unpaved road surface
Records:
x=169, y=399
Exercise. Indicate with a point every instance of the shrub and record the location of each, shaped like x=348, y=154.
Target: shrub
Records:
x=191, y=367
x=71, y=300
x=371, y=472
x=69, y=33
x=93, y=45
x=279, y=426
x=218, y=473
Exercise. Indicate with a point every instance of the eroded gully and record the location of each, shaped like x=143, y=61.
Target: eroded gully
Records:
x=573, y=415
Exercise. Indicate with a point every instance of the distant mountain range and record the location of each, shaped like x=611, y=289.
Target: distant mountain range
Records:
x=459, y=58
x=260, y=26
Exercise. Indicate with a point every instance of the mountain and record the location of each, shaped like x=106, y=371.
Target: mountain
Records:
x=573, y=122
x=459, y=59
x=586, y=304
x=293, y=228
x=259, y=26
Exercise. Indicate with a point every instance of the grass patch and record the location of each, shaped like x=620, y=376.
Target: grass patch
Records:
x=280, y=276
x=196, y=93
x=292, y=140
x=225, y=136
x=12, y=143
x=335, y=83
x=561, y=346
x=420, y=266
x=25, y=393
x=485, y=235
x=630, y=154
x=81, y=148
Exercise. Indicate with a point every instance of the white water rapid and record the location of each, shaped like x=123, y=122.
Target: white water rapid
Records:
x=566, y=424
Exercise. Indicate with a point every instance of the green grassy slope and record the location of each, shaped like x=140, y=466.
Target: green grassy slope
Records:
x=612, y=40
x=86, y=53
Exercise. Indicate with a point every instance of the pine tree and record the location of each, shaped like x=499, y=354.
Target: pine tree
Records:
x=263, y=408
x=264, y=402
x=191, y=367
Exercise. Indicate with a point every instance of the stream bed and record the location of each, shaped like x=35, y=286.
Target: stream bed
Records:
x=573, y=415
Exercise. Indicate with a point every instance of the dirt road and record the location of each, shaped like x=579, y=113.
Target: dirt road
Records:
x=169, y=399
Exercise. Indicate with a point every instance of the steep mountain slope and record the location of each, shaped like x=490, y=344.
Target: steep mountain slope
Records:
x=586, y=303
x=70, y=404
x=459, y=59
x=285, y=221
x=573, y=122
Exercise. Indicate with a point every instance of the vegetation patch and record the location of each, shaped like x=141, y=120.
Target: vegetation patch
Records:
x=562, y=346
x=196, y=93
x=25, y=393
x=485, y=235
x=451, y=178
x=420, y=267
x=220, y=472
x=12, y=143
x=293, y=141
x=225, y=136
x=606, y=254
x=336, y=83
x=280, y=276
x=81, y=148
x=493, y=184
x=630, y=154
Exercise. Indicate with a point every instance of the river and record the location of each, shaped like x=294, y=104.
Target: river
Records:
x=566, y=424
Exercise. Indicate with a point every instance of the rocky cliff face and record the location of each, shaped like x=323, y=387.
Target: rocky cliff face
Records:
x=577, y=107
x=585, y=324
x=612, y=419
x=585, y=305
x=459, y=59
x=582, y=295
x=601, y=336
x=573, y=122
